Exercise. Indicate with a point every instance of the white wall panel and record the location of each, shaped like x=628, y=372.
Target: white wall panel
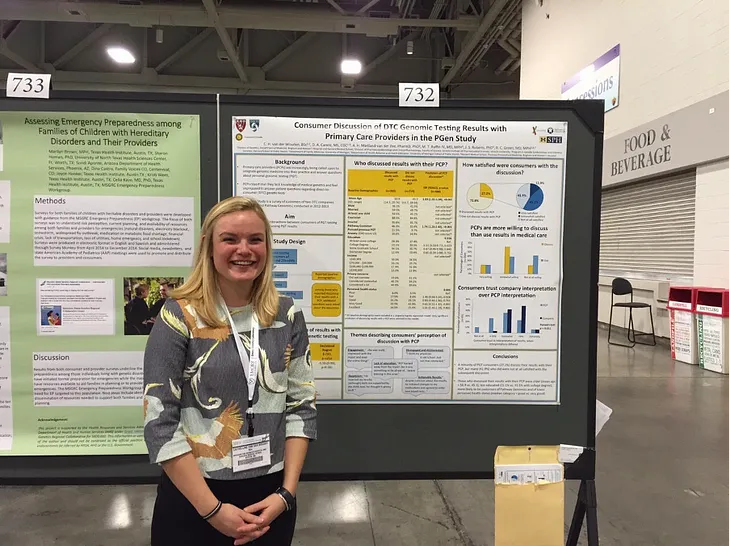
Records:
x=711, y=229
x=673, y=53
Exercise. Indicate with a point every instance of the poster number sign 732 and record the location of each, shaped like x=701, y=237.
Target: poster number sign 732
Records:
x=418, y=94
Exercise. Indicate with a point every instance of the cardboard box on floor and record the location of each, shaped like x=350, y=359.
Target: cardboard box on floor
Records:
x=528, y=514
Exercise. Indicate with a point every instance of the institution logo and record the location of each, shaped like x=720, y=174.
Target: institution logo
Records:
x=551, y=140
x=534, y=130
x=255, y=125
x=240, y=125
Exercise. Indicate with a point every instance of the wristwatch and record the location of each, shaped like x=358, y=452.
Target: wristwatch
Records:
x=287, y=497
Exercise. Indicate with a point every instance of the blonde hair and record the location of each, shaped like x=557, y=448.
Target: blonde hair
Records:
x=139, y=289
x=201, y=287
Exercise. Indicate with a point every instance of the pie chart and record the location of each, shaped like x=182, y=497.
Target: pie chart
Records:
x=480, y=196
x=530, y=197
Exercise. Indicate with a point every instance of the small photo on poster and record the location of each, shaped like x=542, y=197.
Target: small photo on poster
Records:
x=143, y=300
x=3, y=274
x=51, y=315
x=75, y=307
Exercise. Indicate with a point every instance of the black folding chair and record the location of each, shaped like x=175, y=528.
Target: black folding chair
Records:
x=622, y=287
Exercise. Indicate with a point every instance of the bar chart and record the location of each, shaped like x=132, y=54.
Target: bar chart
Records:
x=509, y=263
x=507, y=323
x=518, y=259
x=499, y=323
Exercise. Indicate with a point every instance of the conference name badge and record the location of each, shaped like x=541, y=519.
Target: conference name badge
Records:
x=251, y=452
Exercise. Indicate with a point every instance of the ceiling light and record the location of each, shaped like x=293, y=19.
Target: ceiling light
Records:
x=351, y=66
x=409, y=47
x=120, y=55
x=159, y=35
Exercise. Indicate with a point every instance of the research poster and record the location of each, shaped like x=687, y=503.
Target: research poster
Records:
x=426, y=255
x=99, y=215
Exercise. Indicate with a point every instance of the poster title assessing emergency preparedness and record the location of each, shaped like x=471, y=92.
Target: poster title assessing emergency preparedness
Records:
x=381, y=131
x=114, y=132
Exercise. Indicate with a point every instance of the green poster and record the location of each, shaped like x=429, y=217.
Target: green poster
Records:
x=99, y=215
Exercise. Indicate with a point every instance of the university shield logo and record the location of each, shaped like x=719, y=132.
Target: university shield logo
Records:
x=240, y=125
x=255, y=125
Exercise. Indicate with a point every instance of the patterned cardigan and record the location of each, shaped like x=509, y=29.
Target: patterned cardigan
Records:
x=196, y=395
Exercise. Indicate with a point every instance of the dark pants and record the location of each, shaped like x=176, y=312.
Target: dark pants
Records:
x=176, y=523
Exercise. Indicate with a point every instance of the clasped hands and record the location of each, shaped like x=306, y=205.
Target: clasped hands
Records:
x=247, y=524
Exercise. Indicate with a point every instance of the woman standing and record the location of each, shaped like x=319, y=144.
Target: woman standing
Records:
x=229, y=396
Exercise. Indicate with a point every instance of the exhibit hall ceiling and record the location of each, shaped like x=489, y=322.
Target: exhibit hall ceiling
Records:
x=471, y=48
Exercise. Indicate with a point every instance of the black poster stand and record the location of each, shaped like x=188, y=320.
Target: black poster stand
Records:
x=586, y=507
x=586, y=504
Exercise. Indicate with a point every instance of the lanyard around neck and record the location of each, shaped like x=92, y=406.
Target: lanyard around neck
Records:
x=250, y=364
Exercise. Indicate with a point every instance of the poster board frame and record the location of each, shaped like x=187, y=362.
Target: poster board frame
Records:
x=111, y=469
x=216, y=179
x=589, y=114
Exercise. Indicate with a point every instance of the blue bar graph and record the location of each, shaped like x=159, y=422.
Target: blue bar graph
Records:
x=511, y=265
x=507, y=319
x=485, y=269
x=535, y=261
x=519, y=326
x=523, y=322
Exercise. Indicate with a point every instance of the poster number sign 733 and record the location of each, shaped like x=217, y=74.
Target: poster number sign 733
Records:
x=27, y=86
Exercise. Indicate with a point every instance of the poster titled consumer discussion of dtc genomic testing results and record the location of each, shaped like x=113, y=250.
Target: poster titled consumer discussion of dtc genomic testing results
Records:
x=425, y=255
